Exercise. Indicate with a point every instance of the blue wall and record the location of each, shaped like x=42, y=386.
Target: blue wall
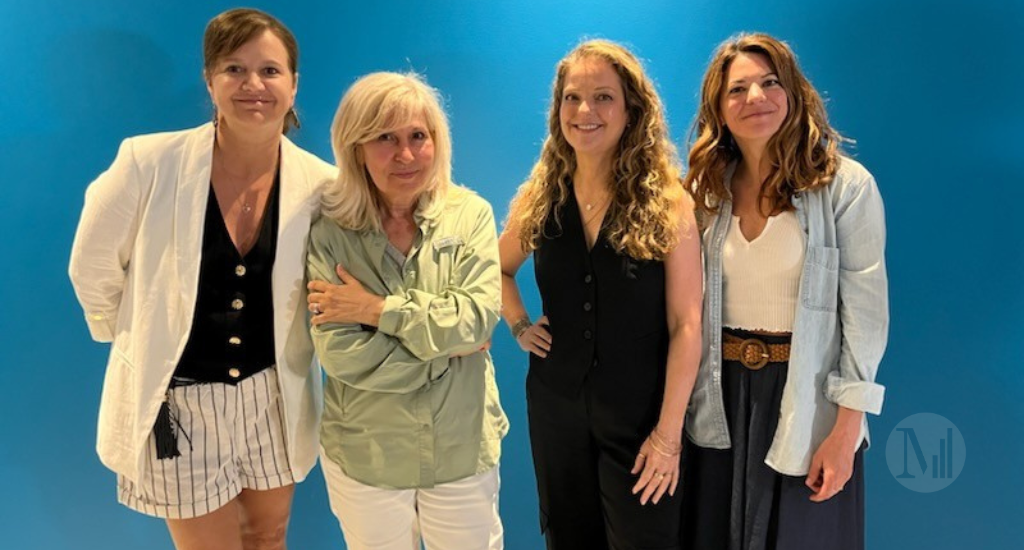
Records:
x=930, y=90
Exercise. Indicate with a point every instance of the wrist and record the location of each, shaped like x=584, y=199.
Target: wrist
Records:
x=519, y=327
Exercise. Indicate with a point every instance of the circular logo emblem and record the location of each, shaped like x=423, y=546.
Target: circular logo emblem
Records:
x=925, y=452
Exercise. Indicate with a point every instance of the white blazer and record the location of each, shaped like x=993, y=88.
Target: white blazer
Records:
x=135, y=269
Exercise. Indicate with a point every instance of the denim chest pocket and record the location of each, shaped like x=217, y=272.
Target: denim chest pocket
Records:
x=820, y=286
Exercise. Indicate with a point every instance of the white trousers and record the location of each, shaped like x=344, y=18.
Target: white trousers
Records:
x=461, y=515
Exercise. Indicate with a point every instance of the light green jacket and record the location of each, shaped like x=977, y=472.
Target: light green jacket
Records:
x=400, y=411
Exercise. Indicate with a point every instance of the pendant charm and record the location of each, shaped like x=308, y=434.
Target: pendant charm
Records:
x=246, y=208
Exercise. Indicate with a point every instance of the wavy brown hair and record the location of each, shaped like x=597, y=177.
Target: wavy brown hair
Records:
x=804, y=152
x=643, y=215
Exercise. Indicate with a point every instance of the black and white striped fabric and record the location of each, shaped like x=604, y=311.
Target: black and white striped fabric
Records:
x=231, y=438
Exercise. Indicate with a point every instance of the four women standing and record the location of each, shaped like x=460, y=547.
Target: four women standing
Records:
x=406, y=287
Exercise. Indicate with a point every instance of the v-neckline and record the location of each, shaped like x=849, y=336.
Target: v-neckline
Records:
x=271, y=202
x=583, y=226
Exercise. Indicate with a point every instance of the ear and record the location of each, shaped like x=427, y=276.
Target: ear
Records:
x=295, y=87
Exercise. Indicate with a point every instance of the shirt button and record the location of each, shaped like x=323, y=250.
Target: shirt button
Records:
x=240, y=270
x=234, y=341
x=587, y=306
x=587, y=335
x=234, y=372
x=237, y=304
x=588, y=278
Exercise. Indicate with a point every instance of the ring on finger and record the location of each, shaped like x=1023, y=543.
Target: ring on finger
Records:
x=316, y=308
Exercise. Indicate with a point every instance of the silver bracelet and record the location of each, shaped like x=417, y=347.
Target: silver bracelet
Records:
x=520, y=326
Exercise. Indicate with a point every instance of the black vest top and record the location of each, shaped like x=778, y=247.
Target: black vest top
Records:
x=232, y=336
x=606, y=312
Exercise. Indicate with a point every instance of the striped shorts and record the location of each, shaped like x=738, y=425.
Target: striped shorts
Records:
x=230, y=438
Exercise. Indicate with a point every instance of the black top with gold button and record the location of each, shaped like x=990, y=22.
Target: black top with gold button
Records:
x=606, y=311
x=232, y=334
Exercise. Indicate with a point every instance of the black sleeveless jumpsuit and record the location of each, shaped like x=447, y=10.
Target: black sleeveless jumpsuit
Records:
x=597, y=395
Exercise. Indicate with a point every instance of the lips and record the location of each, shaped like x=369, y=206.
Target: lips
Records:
x=758, y=114
x=586, y=127
x=406, y=174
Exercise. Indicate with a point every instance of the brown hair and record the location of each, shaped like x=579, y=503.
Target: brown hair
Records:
x=804, y=152
x=231, y=29
x=646, y=177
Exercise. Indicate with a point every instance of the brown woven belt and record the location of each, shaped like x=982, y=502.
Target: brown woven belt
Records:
x=753, y=353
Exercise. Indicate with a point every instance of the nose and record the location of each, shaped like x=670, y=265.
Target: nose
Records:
x=755, y=94
x=404, y=154
x=584, y=106
x=253, y=81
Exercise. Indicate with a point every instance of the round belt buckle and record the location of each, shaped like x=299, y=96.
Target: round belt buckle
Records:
x=754, y=353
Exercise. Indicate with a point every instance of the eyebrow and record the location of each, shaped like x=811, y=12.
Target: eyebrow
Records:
x=598, y=89
x=762, y=77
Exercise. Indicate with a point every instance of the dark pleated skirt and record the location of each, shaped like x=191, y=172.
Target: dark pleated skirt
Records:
x=733, y=500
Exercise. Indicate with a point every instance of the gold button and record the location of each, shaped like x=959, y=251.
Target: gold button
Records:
x=240, y=270
x=234, y=373
x=237, y=304
x=234, y=340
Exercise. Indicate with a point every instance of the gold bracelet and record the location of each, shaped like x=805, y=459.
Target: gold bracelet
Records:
x=658, y=443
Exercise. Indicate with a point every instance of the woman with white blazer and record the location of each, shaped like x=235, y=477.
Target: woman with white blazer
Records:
x=189, y=258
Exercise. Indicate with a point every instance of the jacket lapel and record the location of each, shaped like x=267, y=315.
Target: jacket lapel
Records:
x=292, y=229
x=191, y=195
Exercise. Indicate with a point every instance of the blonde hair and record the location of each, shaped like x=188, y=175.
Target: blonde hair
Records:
x=804, y=152
x=376, y=104
x=646, y=187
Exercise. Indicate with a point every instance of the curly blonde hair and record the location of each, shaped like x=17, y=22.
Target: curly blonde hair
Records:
x=804, y=152
x=647, y=180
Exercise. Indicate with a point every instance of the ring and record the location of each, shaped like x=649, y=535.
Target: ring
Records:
x=316, y=308
x=641, y=455
x=659, y=475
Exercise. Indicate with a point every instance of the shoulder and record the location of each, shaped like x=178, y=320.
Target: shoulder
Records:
x=851, y=176
x=313, y=164
x=325, y=229
x=467, y=204
x=153, y=148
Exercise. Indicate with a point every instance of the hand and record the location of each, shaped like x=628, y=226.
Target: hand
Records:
x=831, y=467
x=536, y=339
x=485, y=347
x=348, y=302
x=659, y=472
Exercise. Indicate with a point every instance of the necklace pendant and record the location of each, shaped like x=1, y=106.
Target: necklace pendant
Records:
x=590, y=207
x=246, y=208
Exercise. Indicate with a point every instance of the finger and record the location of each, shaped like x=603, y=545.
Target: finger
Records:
x=342, y=274
x=314, y=297
x=537, y=351
x=543, y=320
x=540, y=342
x=814, y=474
x=675, y=483
x=825, y=490
x=317, y=286
x=543, y=333
x=662, y=487
x=638, y=463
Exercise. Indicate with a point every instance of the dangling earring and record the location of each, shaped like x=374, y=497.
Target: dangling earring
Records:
x=215, y=116
x=294, y=117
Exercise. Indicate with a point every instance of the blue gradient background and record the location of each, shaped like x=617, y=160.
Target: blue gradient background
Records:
x=930, y=90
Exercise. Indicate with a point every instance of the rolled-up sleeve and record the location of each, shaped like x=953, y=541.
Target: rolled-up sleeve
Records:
x=863, y=297
x=104, y=241
x=462, y=316
x=362, y=359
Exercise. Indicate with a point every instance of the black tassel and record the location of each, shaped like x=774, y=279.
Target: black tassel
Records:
x=164, y=433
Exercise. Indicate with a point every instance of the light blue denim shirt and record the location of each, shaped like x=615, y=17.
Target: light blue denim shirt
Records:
x=840, y=329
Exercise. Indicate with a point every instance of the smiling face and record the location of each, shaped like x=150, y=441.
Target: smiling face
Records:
x=753, y=102
x=400, y=161
x=592, y=115
x=253, y=87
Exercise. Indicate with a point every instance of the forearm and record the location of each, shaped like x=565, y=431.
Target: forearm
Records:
x=681, y=372
x=848, y=424
x=512, y=308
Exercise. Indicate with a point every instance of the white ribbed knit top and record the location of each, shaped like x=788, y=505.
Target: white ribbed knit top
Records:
x=761, y=278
